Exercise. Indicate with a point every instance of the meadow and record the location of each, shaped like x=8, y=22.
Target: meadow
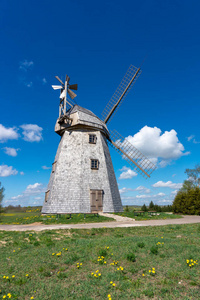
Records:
x=123, y=263
x=33, y=215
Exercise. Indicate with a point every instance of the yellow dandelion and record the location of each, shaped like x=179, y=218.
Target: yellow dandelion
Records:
x=26, y=275
x=99, y=274
x=104, y=262
x=113, y=284
x=92, y=273
x=109, y=296
x=13, y=250
x=143, y=274
x=149, y=271
x=32, y=297
x=13, y=276
x=4, y=296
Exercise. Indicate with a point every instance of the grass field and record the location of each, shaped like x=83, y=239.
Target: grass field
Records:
x=123, y=263
x=32, y=216
x=146, y=216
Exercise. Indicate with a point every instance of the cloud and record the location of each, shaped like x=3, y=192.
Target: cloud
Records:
x=46, y=168
x=143, y=189
x=32, y=192
x=8, y=133
x=32, y=132
x=168, y=184
x=143, y=196
x=21, y=173
x=10, y=151
x=127, y=173
x=192, y=139
x=25, y=65
x=29, y=84
x=159, y=147
x=6, y=171
x=124, y=190
x=44, y=81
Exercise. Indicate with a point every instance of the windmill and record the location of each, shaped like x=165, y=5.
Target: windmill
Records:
x=82, y=178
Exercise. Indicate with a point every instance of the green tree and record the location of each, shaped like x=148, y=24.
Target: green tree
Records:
x=144, y=208
x=1, y=196
x=151, y=205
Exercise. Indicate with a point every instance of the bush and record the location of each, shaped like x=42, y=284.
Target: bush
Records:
x=154, y=250
x=131, y=257
x=140, y=244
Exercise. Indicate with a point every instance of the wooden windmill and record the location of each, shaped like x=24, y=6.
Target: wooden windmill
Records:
x=82, y=178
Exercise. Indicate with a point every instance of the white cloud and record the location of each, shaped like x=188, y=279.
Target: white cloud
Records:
x=46, y=168
x=32, y=132
x=168, y=184
x=160, y=194
x=124, y=190
x=29, y=84
x=21, y=173
x=44, y=80
x=143, y=196
x=127, y=173
x=6, y=171
x=11, y=151
x=158, y=147
x=25, y=65
x=174, y=192
x=192, y=139
x=143, y=189
x=8, y=133
x=33, y=195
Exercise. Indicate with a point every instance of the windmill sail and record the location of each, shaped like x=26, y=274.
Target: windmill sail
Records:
x=131, y=154
x=120, y=94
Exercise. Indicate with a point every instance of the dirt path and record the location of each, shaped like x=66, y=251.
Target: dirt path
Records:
x=123, y=222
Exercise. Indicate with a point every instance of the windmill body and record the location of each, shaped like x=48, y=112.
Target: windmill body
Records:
x=82, y=178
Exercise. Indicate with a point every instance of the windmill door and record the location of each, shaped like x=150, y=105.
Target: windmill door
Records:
x=96, y=201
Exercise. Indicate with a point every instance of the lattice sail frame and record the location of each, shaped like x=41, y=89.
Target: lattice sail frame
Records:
x=131, y=154
x=121, y=92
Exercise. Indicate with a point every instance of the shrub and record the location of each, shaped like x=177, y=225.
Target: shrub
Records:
x=131, y=257
x=154, y=250
x=140, y=244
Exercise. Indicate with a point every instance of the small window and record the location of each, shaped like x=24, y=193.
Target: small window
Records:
x=94, y=164
x=47, y=195
x=54, y=166
x=92, y=138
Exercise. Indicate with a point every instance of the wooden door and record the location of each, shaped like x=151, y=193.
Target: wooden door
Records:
x=96, y=201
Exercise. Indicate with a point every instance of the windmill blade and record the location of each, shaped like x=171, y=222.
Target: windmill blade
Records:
x=73, y=86
x=59, y=80
x=121, y=92
x=57, y=87
x=71, y=94
x=131, y=154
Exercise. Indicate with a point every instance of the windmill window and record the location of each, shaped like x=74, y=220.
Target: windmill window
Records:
x=54, y=166
x=47, y=195
x=92, y=138
x=94, y=164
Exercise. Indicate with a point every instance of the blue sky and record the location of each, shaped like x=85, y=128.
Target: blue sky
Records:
x=94, y=43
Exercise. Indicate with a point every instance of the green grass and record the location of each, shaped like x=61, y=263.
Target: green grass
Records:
x=158, y=216
x=32, y=217
x=63, y=277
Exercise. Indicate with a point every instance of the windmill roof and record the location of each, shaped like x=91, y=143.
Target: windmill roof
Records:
x=86, y=117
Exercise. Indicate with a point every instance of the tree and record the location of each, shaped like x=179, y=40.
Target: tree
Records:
x=144, y=208
x=151, y=205
x=1, y=196
x=194, y=175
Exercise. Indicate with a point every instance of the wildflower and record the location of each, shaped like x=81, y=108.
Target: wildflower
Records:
x=32, y=297
x=13, y=250
x=27, y=275
x=13, y=276
x=149, y=271
x=113, y=284
x=4, y=276
x=104, y=262
x=9, y=295
x=53, y=254
x=143, y=274
x=4, y=296
x=7, y=277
